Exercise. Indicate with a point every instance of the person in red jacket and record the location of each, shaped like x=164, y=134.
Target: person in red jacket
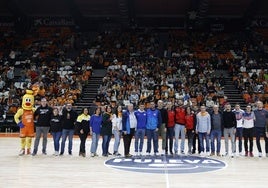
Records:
x=179, y=128
x=190, y=121
x=170, y=128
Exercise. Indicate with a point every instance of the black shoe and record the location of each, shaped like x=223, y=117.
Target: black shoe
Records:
x=70, y=153
x=34, y=154
x=109, y=153
x=105, y=155
x=82, y=154
x=61, y=153
x=117, y=154
x=128, y=156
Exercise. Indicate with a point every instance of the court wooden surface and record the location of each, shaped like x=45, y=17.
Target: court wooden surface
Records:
x=74, y=171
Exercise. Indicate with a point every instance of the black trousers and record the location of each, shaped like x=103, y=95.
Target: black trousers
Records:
x=127, y=140
x=248, y=137
x=83, y=138
x=169, y=138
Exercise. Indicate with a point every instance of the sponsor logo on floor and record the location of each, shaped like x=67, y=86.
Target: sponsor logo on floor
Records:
x=166, y=164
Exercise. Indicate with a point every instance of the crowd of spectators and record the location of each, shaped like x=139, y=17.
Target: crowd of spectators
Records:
x=141, y=65
x=187, y=69
x=47, y=61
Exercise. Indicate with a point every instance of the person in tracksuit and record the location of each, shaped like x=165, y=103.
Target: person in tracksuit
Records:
x=152, y=126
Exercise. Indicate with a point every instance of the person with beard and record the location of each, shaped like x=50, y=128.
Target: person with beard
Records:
x=69, y=117
x=153, y=124
x=229, y=128
x=261, y=116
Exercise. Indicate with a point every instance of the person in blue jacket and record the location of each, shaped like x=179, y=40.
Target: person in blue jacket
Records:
x=153, y=124
x=129, y=124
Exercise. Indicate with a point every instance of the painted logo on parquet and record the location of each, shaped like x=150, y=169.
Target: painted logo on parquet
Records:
x=166, y=164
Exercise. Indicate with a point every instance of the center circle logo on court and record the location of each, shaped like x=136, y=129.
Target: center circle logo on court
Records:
x=166, y=164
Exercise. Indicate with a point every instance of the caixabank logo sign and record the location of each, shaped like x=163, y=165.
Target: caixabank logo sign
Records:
x=166, y=164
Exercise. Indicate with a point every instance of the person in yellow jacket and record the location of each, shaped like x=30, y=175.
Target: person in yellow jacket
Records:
x=82, y=128
x=24, y=118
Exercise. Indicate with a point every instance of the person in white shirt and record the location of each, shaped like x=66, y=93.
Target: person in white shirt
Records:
x=117, y=129
x=248, y=119
x=129, y=124
x=239, y=129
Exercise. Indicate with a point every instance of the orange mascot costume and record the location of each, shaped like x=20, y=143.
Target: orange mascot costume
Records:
x=25, y=120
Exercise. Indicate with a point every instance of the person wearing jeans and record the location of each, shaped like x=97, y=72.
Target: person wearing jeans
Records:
x=56, y=130
x=153, y=124
x=203, y=127
x=261, y=116
x=117, y=129
x=216, y=130
x=95, y=127
x=69, y=117
x=141, y=127
x=106, y=130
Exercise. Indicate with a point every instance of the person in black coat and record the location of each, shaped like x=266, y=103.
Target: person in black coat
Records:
x=106, y=130
x=56, y=129
x=69, y=117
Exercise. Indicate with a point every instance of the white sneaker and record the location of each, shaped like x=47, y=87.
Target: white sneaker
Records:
x=22, y=152
x=202, y=154
x=232, y=155
x=137, y=153
x=148, y=154
x=207, y=154
x=240, y=154
x=260, y=154
x=56, y=153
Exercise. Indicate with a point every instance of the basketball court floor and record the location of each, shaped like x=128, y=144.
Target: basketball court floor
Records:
x=150, y=171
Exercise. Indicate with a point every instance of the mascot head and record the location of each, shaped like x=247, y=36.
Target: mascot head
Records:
x=28, y=100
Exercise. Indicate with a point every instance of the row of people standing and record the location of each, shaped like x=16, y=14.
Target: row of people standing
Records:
x=167, y=122
x=235, y=123
x=60, y=126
